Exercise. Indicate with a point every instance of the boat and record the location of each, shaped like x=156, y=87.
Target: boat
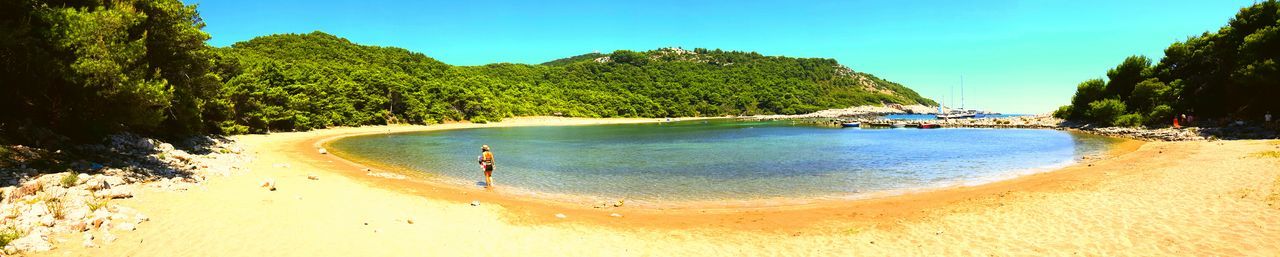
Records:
x=898, y=125
x=849, y=125
x=879, y=124
x=957, y=115
x=929, y=126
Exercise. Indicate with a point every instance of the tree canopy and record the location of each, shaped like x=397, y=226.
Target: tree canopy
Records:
x=87, y=68
x=81, y=68
x=305, y=81
x=1229, y=73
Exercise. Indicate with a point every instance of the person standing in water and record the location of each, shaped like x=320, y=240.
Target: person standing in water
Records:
x=486, y=162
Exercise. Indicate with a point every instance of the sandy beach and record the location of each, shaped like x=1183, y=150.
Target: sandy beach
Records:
x=1195, y=198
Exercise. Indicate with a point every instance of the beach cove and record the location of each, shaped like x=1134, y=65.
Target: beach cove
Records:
x=1153, y=198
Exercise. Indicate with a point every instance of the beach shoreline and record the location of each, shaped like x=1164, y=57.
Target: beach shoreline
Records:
x=779, y=214
x=348, y=211
x=378, y=169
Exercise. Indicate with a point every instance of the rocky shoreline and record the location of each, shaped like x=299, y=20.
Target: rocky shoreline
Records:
x=38, y=205
x=874, y=114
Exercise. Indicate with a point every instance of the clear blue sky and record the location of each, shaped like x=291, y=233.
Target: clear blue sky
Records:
x=1015, y=56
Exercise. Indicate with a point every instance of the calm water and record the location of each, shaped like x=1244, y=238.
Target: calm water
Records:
x=724, y=159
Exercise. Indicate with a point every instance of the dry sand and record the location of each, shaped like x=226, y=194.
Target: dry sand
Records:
x=1206, y=198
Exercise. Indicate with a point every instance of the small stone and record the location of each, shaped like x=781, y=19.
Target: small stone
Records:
x=313, y=177
x=561, y=216
x=126, y=226
x=33, y=242
x=270, y=184
x=475, y=203
x=615, y=215
x=323, y=151
x=108, y=237
x=410, y=221
x=88, y=240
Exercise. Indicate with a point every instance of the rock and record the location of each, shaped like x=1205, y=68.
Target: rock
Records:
x=615, y=215
x=96, y=184
x=619, y=203
x=48, y=221
x=113, y=180
x=125, y=226
x=323, y=151
x=475, y=203
x=76, y=213
x=116, y=193
x=561, y=216
x=108, y=237
x=33, y=242
x=270, y=184
x=165, y=147
x=313, y=177
x=410, y=221
x=36, y=210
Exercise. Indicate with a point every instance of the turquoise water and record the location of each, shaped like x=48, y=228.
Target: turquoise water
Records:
x=725, y=159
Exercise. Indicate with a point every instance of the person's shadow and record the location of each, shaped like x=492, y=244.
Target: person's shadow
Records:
x=481, y=184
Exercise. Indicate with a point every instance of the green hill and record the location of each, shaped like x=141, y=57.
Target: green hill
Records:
x=82, y=70
x=304, y=81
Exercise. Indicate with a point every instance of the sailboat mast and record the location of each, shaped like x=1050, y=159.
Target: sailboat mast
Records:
x=962, y=92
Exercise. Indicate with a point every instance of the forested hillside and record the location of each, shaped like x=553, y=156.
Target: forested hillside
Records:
x=84, y=69
x=304, y=81
x=1231, y=73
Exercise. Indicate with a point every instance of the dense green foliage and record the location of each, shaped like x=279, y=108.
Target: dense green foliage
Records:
x=1234, y=72
x=83, y=68
x=87, y=68
x=292, y=81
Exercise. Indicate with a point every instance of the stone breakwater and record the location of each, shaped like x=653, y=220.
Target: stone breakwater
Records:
x=1049, y=122
x=39, y=205
x=1163, y=134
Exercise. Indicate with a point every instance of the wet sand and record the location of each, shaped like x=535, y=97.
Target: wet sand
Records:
x=1159, y=198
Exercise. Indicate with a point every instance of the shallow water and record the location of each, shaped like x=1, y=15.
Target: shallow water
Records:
x=725, y=159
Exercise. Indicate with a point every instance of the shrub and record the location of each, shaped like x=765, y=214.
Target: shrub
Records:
x=55, y=207
x=70, y=180
x=1104, y=112
x=96, y=204
x=9, y=234
x=1159, y=116
x=1128, y=120
x=1063, y=112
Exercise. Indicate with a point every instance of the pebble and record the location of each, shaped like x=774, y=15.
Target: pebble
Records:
x=323, y=151
x=126, y=226
x=615, y=215
x=88, y=240
x=475, y=203
x=313, y=177
x=561, y=216
x=270, y=184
